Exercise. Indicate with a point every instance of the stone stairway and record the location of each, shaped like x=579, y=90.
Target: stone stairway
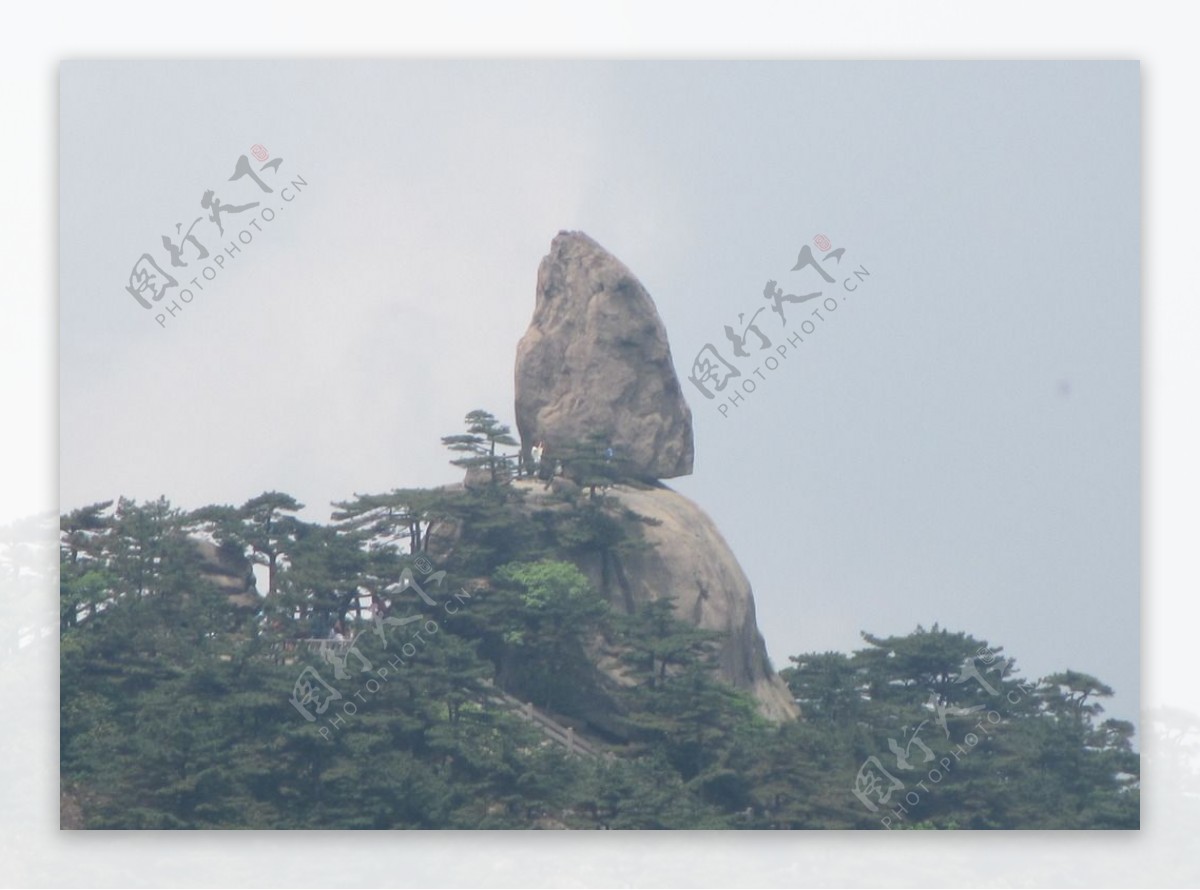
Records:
x=559, y=733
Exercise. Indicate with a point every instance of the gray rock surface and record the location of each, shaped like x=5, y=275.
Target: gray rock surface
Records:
x=230, y=572
x=595, y=364
x=689, y=560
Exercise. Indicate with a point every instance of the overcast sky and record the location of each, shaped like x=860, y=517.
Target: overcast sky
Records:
x=957, y=443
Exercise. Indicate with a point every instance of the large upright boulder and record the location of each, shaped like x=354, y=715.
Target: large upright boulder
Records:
x=595, y=366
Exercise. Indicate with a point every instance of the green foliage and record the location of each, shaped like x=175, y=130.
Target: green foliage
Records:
x=402, y=516
x=268, y=529
x=592, y=463
x=325, y=577
x=478, y=446
x=1011, y=752
x=550, y=615
x=825, y=686
x=657, y=646
x=177, y=705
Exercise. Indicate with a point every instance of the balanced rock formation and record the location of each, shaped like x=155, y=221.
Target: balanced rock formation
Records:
x=595, y=366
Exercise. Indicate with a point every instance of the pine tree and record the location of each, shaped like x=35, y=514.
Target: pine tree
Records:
x=324, y=579
x=268, y=527
x=545, y=637
x=479, y=444
x=402, y=516
x=826, y=686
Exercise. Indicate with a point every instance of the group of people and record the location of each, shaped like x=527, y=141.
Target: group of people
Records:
x=542, y=464
x=546, y=467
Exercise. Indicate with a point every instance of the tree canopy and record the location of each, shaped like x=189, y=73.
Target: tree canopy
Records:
x=461, y=675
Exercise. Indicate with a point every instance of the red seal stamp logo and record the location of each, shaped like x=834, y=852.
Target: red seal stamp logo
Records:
x=262, y=154
x=822, y=242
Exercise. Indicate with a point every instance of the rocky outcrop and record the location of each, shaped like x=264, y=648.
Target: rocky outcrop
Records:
x=688, y=559
x=595, y=367
x=229, y=571
x=594, y=372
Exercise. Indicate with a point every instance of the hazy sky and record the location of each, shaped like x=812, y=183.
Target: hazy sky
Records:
x=957, y=443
